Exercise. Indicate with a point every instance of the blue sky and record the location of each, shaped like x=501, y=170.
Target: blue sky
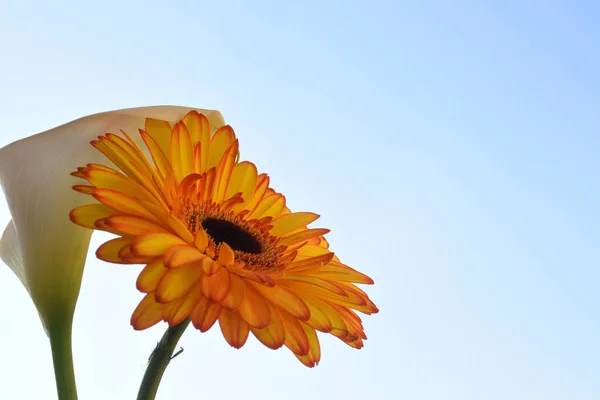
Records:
x=451, y=146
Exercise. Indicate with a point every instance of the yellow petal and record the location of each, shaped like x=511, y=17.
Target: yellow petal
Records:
x=198, y=126
x=130, y=225
x=150, y=276
x=254, y=309
x=224, y=171
x=270, y=206
x=291, y=222
x=109, y=251
x=181, y=255
x=216, y=287
x=177, y=282
x=234, y=328
x=101, y=178
x=273, y=335
x=226, y=255
x=314, y=354
x=205, y=314
x=243, y=180
x=237, y=292
x=302, y=236
x=295, y=337
x=155, y=244
x=161, y=161
x=88, y=214
x=284, y=299
x=175, y=312
x=181, y=152
x=223, y=138
x=147, y=313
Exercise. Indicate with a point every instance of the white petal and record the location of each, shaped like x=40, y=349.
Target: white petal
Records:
x=10, y=253
x=34, y=173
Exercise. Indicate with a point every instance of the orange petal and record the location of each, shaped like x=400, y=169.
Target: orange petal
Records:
x=150, y=275
x=205, y=149
x=197, y=125
x=226, y=255
x=210, y=267
x=131, y=151
x=302, y=236
x=161, y=160
x=147, y=313
x=86, y=189
x=124, y=156
x=216, y=287
x=201, y=240
x=237, y=292
x=88, y=214
x=109, y=251
x=254, y=308
x=131, y=225
x=160, y=131
x=296, y=267
x=291, y=222
x=273, y=335
x=340, y=272
x=270, y=206
x=234, y=328
x=285, y=299
x=188, y=184
x=224, y=171
x=295, y=337
x=222, y=139
x=175, y=312
x=243, y=180
x=101, y=226
x=325, y=284
x=117, y=181
x=181, y=152
x=262, y=184
x=179, y=228
x=311, y=250
x=257, y=277
x=181, y=255
x=128, y=257
x=314, y=354
x=122, y=203
x=155, y=244
x=230, y=203
x=205, y=314
x=351, y=299
x=177, y=282
x=318, y=319
x=336, y=321
x=209, y=180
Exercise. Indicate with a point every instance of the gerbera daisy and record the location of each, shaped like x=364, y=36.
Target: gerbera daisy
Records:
x=219, y=244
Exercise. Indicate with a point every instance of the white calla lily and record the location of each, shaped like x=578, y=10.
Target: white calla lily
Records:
x=41, y=245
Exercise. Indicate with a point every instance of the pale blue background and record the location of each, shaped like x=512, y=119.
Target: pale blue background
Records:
x=451, y=146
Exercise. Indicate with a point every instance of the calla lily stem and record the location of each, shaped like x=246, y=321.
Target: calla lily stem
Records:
x=159, y=360
x=62, y=355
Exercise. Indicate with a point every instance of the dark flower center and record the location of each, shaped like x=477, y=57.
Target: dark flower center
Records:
x=237, y=238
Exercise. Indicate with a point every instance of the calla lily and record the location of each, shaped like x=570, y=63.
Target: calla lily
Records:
x=41, y=245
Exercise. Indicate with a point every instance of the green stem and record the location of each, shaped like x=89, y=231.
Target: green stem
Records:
x=62, y=355
x=159, y=360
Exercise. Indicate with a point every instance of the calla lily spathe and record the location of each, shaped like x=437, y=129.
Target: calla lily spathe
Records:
x=41, y=245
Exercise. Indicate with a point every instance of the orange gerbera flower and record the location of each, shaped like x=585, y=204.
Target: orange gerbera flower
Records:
x=219, y=244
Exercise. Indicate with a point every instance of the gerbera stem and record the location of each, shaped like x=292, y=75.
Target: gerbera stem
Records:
x=159, y=360
x=62, y=356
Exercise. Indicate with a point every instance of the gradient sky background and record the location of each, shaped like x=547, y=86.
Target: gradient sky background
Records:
x=451, y=146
